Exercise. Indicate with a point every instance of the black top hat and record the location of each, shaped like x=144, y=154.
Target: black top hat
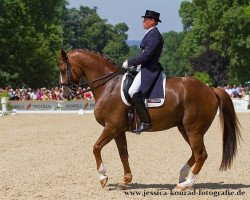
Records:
x=152, y=14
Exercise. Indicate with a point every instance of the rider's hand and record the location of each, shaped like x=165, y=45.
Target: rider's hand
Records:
x=125, y=65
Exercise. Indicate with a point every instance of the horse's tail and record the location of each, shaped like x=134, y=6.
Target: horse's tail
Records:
x=230, y=127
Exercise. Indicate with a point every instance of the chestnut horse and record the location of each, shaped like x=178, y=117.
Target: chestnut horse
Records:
x=190, y=105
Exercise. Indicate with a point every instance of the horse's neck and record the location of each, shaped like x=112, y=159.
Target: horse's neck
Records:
x=95, y=73
x=101, y=81
x=95, y=69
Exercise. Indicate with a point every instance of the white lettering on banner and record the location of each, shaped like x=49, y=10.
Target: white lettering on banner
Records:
x=33, y=105
x=41, y=106
x=240, y=104
x=53, y=105
x=78, y=106
x=72, y=105
x=18, y=107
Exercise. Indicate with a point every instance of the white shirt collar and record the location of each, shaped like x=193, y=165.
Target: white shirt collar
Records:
x=149, y=29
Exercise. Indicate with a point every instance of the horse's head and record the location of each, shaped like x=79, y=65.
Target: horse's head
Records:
x=69, y=77
x=94, y=67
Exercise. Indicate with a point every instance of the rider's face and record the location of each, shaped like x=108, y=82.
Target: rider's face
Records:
x=148, y=23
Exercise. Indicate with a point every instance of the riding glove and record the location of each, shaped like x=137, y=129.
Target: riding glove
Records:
x=125, y=65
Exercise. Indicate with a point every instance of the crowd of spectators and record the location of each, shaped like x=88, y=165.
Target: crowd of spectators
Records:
x=236, y=91
x=43, y=94
x=56, y=93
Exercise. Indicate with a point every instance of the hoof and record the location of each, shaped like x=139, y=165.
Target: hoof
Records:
x=180, y=187
x=104, y=181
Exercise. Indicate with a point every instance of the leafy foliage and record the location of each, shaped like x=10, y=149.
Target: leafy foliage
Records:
x=31, y=36
x=172, y=59
x=204, y=77
x=213, y=64
x=133, y=51
x=219, y=26
x=33, y=32
x=83, y=28
x=215, y=40
x=117, y=48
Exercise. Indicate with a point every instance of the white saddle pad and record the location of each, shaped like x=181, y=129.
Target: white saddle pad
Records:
x=150, y=103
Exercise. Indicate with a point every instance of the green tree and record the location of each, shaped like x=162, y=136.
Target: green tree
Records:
x=81, y=27
x=30, y=40
x=247, y=10
x=117, y=48
x=84, y=28
x=222, y=26
x=204, y=77
x=133, y=51
x=172, y=59
x=213, y=64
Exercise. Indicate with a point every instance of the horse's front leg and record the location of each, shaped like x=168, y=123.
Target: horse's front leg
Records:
x=121, y=143
x=107, y=135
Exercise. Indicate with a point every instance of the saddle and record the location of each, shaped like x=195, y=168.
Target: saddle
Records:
x=156, y=99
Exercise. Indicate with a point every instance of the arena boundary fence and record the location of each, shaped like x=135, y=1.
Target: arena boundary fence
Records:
x=76, y=106
x=48, y=107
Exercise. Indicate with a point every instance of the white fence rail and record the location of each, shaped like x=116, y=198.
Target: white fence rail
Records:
x=77, y=106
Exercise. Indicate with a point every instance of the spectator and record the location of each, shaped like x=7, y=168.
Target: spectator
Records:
x=12, y=94
x=46, y=96
x=235, y=91
x=88, y=95
x=52, y=94
x=26, y=95
x=61, y=94
x=57, y=94
x=18, y=95
x=32, y=94
x=39, y=94
x=228, y=89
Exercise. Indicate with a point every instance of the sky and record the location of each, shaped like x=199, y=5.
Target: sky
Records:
x=130, y=12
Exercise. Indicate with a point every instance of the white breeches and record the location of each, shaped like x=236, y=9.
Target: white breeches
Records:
x=136, y=85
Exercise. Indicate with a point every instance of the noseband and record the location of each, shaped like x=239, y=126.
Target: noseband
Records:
x=72, y=85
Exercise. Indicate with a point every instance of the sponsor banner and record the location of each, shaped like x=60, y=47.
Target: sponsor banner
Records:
x=89, y=105
x=84, y=104
x=71, y=105
x=240, y=104
x=33, y=105
x=53, y=105
x=76, y=105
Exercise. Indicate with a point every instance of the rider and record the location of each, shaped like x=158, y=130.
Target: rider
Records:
x=149, y=67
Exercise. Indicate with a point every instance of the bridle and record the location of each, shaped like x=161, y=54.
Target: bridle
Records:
x=72, y=85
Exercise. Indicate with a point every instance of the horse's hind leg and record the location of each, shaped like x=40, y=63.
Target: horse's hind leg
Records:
x=121, y=143
x=186, y=168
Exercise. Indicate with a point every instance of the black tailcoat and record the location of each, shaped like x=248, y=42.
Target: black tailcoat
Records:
x=151, y=48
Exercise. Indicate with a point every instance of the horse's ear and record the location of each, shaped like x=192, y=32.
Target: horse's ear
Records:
x=64, y=55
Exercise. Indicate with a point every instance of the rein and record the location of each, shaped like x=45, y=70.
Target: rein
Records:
x=72, y=85
x=110, y=76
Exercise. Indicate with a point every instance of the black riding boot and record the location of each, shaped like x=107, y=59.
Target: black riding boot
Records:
x=142, y=112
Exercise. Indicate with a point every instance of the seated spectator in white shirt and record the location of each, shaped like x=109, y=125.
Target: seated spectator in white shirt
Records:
x=229, y=90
